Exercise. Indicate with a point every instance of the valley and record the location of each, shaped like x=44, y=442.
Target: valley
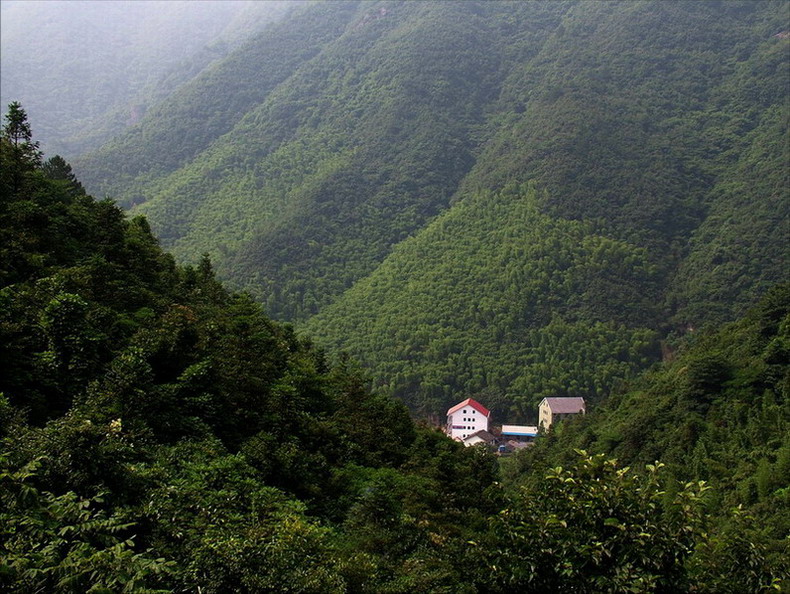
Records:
x=266, y=268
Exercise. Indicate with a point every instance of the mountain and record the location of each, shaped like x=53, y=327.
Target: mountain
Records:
x=491, y=300
x=86, y=70
x=729, y=382
x=512, y=200
x=160, y=433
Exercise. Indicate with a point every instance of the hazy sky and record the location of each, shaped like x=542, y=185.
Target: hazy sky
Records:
x=84, y=68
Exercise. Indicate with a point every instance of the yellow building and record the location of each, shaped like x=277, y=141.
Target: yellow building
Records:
x=551, y=410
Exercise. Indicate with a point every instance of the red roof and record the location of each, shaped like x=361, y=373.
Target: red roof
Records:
x=472, y=403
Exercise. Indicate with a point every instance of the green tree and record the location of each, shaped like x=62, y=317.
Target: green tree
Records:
x=18, y=132
x=57, y=169
x=596, y=527
x=65, y=543
x=17, y=128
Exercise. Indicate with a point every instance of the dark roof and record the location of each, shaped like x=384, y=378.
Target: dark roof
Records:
x=565, y=405
x=482, y=434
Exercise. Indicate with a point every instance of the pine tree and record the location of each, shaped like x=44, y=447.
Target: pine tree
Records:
x=17, y=131
x=57, y=169
x=19, y=155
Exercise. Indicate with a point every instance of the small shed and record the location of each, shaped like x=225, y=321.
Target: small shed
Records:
x=519, y=432
x=481, y=436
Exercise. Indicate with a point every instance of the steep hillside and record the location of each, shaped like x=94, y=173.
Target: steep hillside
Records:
x=160, y=434
x=741, y=248
x=497, y=298
x=519, y=199
x=726, y=392
x=86, y=70
x=657, y=118
x=679, y=171
x=356, y=149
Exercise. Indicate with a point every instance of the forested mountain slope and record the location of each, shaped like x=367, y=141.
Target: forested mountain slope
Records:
x=521, y=199
x=359, y=147
x=159, y=433
x=680, y=177
x=497, y=299
x=86, y=70
x=719, y=411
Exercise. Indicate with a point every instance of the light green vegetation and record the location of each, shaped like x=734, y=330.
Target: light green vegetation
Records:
x=502, y=300
x=319, y=164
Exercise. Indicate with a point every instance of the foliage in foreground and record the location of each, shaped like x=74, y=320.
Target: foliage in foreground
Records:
x=601, y=527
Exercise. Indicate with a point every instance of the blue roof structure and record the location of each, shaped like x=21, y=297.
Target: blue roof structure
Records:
x=520, y=430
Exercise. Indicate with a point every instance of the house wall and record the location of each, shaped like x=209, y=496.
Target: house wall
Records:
x=544, y=416
x=464, y=422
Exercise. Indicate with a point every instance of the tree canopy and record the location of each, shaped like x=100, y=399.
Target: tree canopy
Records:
x=160, y=433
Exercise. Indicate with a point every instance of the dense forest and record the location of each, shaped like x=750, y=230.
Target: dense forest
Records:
x=325, y=223
x=357, y=168
x=160, y=433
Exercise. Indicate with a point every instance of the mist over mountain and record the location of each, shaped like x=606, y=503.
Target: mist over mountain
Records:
x=85, y=70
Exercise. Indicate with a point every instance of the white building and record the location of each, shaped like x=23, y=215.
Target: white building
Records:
x=466, y=418
x=551, y=410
